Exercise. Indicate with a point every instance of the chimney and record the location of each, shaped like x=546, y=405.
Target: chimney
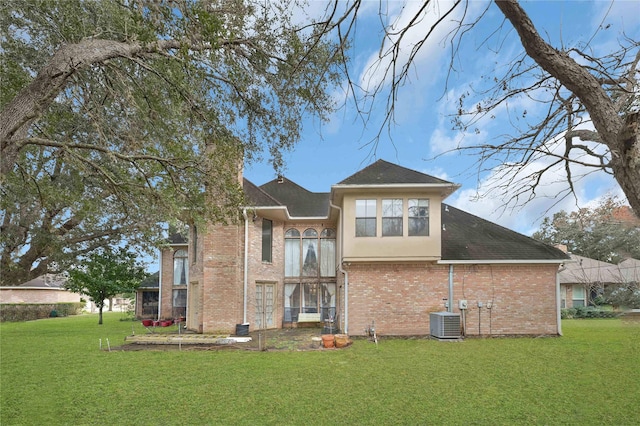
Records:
x=562, y=247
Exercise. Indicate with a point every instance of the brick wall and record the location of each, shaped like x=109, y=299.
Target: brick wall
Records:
x=222, y=273
x=265, y=272
x=400, y=297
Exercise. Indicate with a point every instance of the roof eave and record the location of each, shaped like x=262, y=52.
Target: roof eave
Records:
x=502, y=261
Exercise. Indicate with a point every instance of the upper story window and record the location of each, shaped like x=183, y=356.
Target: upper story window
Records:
x=267, y=240
x=392, y=217
x=418, y=217
x=328, y=253
x=310, y=255
x=292, y=253
x=366, y=218
x=180, y=267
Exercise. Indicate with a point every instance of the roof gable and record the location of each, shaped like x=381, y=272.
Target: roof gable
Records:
x=299, y=201
x=256, y=196
x=384, y=173
x=469, y=237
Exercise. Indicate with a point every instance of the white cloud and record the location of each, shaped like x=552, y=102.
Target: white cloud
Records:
x=500, y=205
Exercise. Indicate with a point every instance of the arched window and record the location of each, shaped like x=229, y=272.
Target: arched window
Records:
x=180, y=267
x=292, y=253
x=310, y=253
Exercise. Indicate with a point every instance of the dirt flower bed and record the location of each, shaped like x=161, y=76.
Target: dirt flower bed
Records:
x=287, y=339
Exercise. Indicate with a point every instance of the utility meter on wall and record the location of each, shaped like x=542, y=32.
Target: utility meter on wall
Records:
x=462, y=304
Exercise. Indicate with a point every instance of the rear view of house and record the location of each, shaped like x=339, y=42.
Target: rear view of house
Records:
x=381, y=247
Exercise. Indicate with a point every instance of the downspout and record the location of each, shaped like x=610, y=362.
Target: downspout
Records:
x=558, y=302
x=159, y=286
x=450, y=302
x=341, y=269
x=246, y=265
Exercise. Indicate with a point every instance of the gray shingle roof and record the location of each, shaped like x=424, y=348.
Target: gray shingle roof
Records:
x=384, y=173
x=299, y=201
x=256, y=196
x=468, y=237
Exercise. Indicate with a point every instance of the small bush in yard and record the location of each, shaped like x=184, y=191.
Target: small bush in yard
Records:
x=581, y=312
x=33, y=311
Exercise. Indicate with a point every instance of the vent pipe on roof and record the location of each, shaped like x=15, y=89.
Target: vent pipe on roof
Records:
x=280, y=179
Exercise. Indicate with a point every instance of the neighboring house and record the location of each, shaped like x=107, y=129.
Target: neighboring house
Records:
x=48, y=288
x=381, y=247
x=630, y=270
x=582, y=279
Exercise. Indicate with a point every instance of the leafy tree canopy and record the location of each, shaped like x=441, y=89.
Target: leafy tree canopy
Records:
x=608, y=232
x=116, y=115
x=105, y=274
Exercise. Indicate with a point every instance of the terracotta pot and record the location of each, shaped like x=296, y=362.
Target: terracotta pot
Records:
x=342, y=340
x=147, y=323
x=328, y=340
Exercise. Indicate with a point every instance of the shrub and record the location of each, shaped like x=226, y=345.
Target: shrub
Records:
x=587, y=312
x=33, y=311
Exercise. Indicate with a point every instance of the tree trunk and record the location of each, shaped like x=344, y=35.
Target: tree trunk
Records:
x=100, y=314
x=622, y=137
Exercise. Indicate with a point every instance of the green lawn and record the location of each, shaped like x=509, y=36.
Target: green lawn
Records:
x=53, y=372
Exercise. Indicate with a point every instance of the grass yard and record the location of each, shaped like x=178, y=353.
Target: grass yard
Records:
x=53, y=372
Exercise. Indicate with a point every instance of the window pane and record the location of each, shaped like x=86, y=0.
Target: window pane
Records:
x=328, y=233
x=310, y=298
x=180, y=268
x=391, y=227
x=418, y=217
x=328, y=301
x=310, y=233
x=179, y=303
x=292, y=257
x=328, y=257
x=267, y=233
x=366, y=227
x=365, y=218
x=310, y=256
x=392, y=217
x=292, y=233
x=365, y=208
x=291, y=302
x=392, y=207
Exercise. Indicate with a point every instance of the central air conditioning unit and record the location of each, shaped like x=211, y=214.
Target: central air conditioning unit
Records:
x=444, y=325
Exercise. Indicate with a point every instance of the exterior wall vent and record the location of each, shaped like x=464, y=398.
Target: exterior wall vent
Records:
x=444, y=325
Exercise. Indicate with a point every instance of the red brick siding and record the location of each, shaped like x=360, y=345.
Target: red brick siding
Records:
x=222, y=258
x=400, y=297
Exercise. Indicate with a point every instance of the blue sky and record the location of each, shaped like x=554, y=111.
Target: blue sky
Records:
x=329, y=152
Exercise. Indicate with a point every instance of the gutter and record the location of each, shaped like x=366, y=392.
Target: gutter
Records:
x=558, y=303
x=343, y=271
x=246, y=265
x=499, y=262
x=160, y=285
x=450, y=304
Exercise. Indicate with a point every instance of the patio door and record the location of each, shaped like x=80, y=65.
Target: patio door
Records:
x=265, y=305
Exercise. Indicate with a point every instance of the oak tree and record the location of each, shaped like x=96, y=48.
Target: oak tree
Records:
x=591, y=100
x=116, y=114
